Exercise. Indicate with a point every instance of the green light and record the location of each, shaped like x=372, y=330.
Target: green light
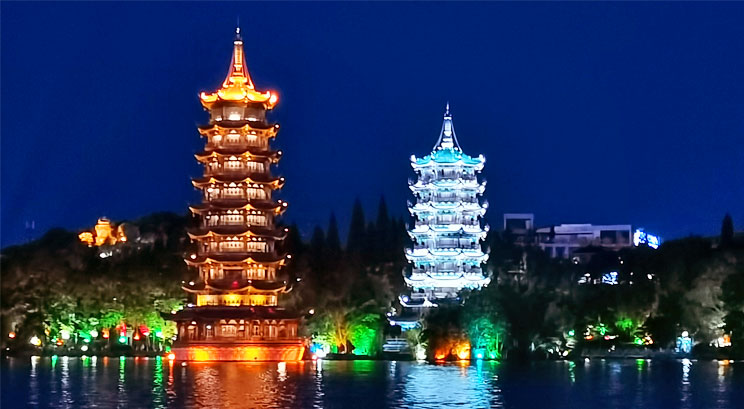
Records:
x=159, y=334
x=638, y=341
x=571, y=333
x=122, y=339
x=492, y=355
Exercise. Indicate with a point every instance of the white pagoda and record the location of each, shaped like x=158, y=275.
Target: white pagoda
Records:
x=447, y=231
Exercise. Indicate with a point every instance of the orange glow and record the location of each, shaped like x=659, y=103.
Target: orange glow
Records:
x=463, y=350
x=11, y=335
x=238, y=85
x=280, y=353
x=105, y=333
x=103, y=234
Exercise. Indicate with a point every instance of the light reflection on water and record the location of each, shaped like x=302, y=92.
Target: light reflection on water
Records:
x=158, y=383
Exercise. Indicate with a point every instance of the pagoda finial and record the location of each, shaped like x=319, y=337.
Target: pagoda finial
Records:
x=447, y=138
x=237, y=31
x=238, y=85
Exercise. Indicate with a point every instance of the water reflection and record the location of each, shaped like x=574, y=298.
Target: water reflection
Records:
x=157, y=383
x=686, y=398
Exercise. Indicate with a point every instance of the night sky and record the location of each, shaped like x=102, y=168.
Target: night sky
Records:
x=594, y=113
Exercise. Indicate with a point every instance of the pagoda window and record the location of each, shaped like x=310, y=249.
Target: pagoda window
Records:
x=232, y=273
x=255, y=167
x=228, y=330
x=256, y=246
x=233, y=192
x=233, y=138
x=232, y=245
x=233, y=219
x=255, y=193
x=233, y=164
x=256, y=220
x=233, y=113
x=256, y=328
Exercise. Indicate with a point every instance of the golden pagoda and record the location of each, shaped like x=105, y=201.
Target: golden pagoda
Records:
x=236, y=316
x=103, y=234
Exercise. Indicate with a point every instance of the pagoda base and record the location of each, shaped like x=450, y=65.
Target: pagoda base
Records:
x=254, y=352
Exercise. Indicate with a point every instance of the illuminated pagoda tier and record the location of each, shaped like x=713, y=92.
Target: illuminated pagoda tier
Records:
x=446, y=256
x=236, y=316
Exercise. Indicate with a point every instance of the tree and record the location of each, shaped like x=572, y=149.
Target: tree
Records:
x=355, y=244
x=727, y=231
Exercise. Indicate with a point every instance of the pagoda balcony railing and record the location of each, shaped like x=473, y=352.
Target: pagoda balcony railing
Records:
x=237, y=340
x=448, y=271
x=442, y=245
x=469, y=221
x=250, y=167
x=254, y=142
x=216, y=250
x=217, y=221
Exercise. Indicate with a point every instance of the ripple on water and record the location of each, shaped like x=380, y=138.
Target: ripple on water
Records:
x=114, y=382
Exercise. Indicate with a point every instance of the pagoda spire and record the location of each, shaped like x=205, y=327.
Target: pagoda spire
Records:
x=238, y=85
x=238, y=75
x=447, y=137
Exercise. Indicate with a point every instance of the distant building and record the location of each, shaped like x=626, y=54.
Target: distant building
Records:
x=521, y=226
x=562, y=240
x=104, y=233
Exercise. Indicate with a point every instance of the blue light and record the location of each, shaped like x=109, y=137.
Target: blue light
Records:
x=641, y=237
x=610, y=278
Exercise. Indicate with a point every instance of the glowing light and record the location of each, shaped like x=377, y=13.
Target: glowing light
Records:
x=84, y=348
x=93, y=333
x=122, y=339
x=11, y=335
x=137, y=337
x=105, y=333
x=286, y=353
x=35, y=341
x=159, y=334
x=610, y=278
x=571, y=333
x=171, y=356
x=65, y=334
x=641, y=237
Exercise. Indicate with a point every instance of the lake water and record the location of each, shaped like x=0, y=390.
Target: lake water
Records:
x=155, y=383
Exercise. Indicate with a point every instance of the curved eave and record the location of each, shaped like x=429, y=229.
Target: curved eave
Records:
x=272, y=156
x=216, y=260
x=239, y=94
x=245, y=126
x=208, y=289
x=275, y=183
x=277, y=235
x=277, y=208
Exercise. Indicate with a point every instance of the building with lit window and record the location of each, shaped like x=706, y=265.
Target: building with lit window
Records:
x=447, y=227
x=235, y=315
x=561, y=241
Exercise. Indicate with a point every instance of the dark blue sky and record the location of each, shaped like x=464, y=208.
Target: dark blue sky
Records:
x=600, y=113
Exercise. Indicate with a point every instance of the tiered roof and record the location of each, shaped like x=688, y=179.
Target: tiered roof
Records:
x=238, y=85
